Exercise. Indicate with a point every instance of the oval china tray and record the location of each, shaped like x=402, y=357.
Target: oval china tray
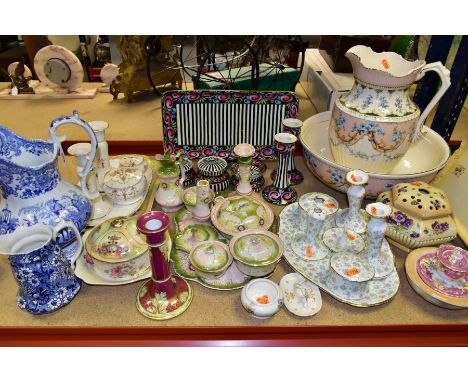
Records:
x=379, y=292
x=130, y=209
x=85, y=273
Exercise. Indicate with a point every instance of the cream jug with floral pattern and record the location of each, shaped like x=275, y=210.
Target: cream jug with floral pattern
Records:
x=375, y=123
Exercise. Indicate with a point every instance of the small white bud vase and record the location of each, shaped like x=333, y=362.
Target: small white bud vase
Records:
x=318, y=208
x=202, y=211
x=351, y=218
x=378, y=251
x=244, y=152
x=99, y=128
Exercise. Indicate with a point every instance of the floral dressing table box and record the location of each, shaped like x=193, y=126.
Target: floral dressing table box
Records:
x=421, y=215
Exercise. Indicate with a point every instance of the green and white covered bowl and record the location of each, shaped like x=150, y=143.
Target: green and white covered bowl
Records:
x=256, y=251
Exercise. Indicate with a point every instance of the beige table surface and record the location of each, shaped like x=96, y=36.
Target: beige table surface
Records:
x=96, y=306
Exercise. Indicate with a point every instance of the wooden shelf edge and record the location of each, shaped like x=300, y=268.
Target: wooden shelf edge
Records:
x=376, y=335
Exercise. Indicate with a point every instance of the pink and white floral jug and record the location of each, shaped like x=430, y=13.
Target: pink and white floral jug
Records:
x=375, y=123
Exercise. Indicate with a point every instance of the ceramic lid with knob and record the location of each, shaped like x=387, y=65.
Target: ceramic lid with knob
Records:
x=116, y=240
x=210, y=256
x=212, y=166
x=454, y=258
x=256, y=247
x=421, y=200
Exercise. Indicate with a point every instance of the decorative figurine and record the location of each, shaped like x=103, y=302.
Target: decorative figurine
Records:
x=244, y=152
x=351, y=218
x=33, y=190
x=280, y=192
x=165, y=295
x=101, y=205
x=20, y=75
x=317, y=208
x=292, y=126
x=45, y=277
x=378, y=252
x=172, y=175
x=99, y=128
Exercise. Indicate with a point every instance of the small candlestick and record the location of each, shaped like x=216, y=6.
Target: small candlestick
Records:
x=101, y=205
x=280, y=192
x=378, y=252
x=244, y=152
x=99, y=128
x=165, y=295
x=351, y=218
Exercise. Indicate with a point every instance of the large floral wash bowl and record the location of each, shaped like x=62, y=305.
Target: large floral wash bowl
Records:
x=421, y=163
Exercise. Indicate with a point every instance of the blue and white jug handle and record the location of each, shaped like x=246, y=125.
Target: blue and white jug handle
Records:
x=57, y=141
x=66, y=224
x=444, y=75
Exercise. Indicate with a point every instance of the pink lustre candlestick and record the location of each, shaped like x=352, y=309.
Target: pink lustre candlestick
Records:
x=165, y=295
x=280, y=192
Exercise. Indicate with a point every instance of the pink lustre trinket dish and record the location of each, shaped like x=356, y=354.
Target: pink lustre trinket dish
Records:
x=444, y=280
x=435, y=287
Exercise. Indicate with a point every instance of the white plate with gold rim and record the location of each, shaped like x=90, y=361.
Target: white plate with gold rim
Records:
x=378, y=292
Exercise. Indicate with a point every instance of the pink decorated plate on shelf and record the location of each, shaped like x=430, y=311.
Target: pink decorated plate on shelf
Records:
x=436, y=279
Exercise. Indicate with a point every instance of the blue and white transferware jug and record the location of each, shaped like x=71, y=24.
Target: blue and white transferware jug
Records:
x=45, y=277
x=32, y=190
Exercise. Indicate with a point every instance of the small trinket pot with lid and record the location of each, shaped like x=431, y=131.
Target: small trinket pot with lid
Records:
x=214, y=170
x=420, y=217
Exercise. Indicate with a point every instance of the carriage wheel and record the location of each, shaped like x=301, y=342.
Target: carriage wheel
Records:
x=230, y=64
x=281, y=60
x=163, y=67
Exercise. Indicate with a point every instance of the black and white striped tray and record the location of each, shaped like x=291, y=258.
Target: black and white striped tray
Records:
x=203, y=123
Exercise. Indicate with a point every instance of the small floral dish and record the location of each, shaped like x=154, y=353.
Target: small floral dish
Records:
x=342, y=240
x=193, y=235
x=348, y=275
x=235, y=214
x=428, y=268
x=256, y=251
x=301, y=296
x=210, y=258
x=125, y=185
x=116, y=251
x=134, y=160
x=262, y=298
x=427, y=257
x=421, y=215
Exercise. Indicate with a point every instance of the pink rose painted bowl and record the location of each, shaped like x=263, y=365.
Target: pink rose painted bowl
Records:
x=415, y=165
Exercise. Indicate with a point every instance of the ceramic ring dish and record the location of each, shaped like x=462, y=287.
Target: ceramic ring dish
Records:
x=300, y=296
x=128, y=209
x=427, y=274
x=322, y=272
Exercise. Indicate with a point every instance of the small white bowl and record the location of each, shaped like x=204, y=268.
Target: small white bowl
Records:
x=262, y=298
x=124, y=185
